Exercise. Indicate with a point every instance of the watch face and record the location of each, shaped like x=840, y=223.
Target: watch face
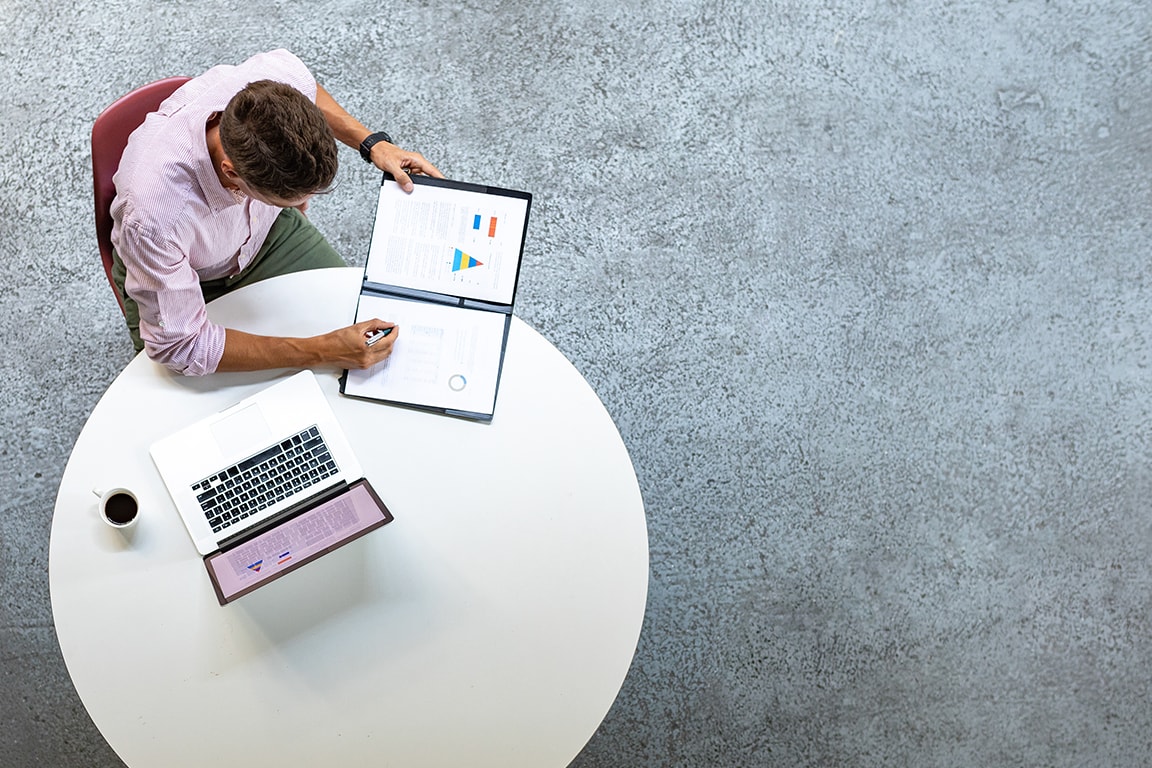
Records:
x=371, y=141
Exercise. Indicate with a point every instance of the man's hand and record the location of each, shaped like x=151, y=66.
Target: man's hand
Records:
x=350, y=347
x=346, y=348
x=401, y=163
x=387, y=157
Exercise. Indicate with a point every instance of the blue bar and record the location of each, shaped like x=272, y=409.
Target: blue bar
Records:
x=476, y=222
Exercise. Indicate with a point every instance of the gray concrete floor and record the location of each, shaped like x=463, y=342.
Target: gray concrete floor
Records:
x=865, y=286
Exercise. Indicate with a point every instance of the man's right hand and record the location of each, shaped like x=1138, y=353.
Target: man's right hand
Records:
x=351, y=348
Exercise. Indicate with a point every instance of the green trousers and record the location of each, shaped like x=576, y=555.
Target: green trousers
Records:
x=292, y=245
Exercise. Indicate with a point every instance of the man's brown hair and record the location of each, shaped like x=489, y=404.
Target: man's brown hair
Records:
x=278, y=141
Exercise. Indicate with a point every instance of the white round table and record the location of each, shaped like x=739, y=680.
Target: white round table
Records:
x=491, y=624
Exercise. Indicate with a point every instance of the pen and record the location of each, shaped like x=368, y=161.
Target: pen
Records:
x=375, y=337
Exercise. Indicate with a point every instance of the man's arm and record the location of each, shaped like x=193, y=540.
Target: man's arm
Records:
x=345, y=348
x=385, y=156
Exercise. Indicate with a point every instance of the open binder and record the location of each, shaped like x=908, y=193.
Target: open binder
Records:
x=443, y=265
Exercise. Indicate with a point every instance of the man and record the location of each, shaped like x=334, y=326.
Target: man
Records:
x=210, y=195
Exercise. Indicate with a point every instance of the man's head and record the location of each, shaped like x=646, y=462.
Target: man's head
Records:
x=278, y=141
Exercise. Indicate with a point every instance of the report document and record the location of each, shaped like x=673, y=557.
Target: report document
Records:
x=443, y=265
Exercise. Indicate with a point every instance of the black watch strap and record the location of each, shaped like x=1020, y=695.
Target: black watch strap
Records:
x=371, y=141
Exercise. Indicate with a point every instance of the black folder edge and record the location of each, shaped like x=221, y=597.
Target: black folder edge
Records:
x=407, y=294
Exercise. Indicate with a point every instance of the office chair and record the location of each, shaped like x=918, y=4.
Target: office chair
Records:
x=110, y=134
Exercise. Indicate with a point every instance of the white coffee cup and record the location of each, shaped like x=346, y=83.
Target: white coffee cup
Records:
x=119, y=507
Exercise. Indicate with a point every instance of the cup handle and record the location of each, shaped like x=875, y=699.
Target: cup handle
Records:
x=98, y=493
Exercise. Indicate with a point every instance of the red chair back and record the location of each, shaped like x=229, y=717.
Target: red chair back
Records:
x=110, y=134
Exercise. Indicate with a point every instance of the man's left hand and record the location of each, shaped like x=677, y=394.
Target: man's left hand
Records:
x=402, y=163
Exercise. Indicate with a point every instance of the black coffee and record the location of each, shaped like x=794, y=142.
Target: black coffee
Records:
x=120, y=508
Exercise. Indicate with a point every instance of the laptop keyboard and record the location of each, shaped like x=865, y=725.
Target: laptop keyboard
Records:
x=258, y=482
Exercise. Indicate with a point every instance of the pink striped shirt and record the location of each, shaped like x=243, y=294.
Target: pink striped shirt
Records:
x=174, y=223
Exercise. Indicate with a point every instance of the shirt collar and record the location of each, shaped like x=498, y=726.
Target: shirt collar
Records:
x=215, y=194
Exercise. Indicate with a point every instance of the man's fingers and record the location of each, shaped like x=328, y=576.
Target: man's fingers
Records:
x=402, y=179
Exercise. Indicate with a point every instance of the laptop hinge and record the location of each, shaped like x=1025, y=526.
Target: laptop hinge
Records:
x=283, y=515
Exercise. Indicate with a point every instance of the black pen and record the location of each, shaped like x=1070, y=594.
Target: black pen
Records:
x=378, y=335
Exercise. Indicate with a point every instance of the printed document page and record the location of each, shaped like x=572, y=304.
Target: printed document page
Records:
x=450, y=241
x=443, y=357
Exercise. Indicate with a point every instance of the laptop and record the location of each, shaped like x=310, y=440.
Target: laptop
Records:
x=275, y=471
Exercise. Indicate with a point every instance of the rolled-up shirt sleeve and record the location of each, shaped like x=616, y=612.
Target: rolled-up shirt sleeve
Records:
x=174, y=324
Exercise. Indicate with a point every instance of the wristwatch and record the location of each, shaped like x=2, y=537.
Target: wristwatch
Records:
x=371, y=141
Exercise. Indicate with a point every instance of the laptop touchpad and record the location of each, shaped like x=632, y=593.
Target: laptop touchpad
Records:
x=242, y=433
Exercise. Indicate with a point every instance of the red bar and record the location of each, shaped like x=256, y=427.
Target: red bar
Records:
x=492, y=227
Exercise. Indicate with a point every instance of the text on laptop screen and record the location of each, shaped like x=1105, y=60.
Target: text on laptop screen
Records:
x=289, y=545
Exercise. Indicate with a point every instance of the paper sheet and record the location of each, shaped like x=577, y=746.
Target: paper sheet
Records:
x=450, y=241
x=443, y=356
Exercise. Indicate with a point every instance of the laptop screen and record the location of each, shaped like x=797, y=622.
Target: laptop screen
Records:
x=288, y=545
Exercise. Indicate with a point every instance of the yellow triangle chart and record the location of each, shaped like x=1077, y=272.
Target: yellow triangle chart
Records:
x=461, y=260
